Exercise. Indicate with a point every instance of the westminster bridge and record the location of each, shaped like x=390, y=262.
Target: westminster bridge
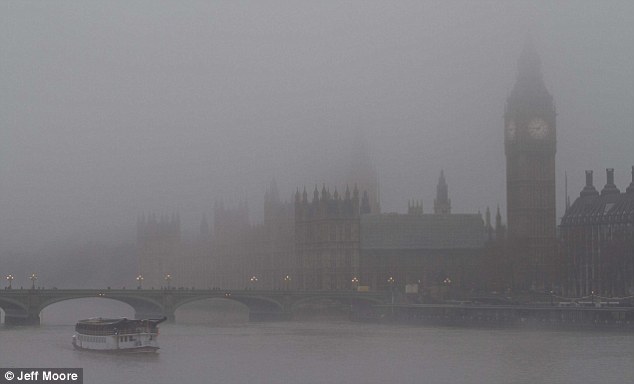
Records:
x=23, y=306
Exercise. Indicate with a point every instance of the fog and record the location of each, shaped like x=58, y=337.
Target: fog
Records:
x=113, y=109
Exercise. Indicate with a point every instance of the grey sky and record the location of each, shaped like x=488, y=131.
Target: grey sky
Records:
x=109, y=109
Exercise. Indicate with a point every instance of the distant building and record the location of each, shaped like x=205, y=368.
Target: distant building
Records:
x=329, y=242
x=249, y=255
x=327, y=239
x=597, y=241
x=424, y=249
x=158, y=248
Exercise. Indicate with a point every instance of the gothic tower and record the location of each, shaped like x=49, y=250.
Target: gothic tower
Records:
x=442, y=203
x=530, y=145
x=362, y=173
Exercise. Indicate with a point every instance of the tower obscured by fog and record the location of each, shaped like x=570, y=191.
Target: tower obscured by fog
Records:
x=530, y=146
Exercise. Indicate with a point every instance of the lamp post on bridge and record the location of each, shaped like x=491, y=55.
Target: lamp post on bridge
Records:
x=168, y=279
x=253, y=281
x=287, y=281
x=391, y=281
x=9, y=279
x=139, y=280
x=33, y=278
x=447, y=283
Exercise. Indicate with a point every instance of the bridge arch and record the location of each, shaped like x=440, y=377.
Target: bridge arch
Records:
x=141, y=305
x=257, y=305
x=71, y=310
x=193, y=299
x=10, y=303
x=15, y=311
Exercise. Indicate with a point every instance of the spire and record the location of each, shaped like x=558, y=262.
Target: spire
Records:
x=530, y=91
x=499, y=228
x=324, y=193
x=489, y=227
x=630, y=189
x=442, y=203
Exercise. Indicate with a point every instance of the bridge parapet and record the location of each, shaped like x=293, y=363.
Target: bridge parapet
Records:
x=24, y=306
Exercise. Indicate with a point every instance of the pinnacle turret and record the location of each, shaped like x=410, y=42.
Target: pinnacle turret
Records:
x=442, y=203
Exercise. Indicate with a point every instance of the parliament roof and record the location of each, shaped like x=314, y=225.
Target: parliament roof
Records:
x=608, y=207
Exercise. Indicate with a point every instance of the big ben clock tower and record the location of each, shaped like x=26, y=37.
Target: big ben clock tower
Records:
x=530, y=146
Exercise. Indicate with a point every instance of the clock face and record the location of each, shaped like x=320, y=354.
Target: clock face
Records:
x=537, y=128
x=510, y=130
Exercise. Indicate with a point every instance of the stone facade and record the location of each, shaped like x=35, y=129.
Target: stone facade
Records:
x=158, y=247
x=597, y=241
x=327, y=239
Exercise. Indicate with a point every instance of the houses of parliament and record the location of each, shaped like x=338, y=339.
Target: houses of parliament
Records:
x=336, y=237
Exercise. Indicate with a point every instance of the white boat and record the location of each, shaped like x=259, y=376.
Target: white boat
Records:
x=117, y=335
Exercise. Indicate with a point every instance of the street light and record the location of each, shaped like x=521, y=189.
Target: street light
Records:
x=253, y=280
x=355, y=283
x=287, y=280
x=168, y=278
x=447, y=283
x=139, y=280
x=9, y=279
x=33, y=278
x=390, y=281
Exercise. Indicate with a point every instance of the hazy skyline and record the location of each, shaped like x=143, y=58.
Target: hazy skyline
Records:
x=112, y=109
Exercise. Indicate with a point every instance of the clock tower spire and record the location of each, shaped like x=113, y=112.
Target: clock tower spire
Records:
x=530, y=146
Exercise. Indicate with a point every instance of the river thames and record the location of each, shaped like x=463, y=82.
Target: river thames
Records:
x=209, y=350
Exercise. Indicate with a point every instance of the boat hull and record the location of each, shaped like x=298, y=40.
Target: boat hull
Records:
x=138, y=350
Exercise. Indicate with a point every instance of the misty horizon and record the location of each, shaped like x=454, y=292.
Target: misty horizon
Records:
x=113, y=110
